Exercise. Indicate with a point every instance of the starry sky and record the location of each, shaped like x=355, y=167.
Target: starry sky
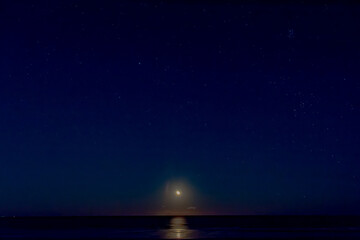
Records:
x=249, y=107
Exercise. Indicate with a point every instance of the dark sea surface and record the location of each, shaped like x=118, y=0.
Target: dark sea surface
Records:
x=181, y=227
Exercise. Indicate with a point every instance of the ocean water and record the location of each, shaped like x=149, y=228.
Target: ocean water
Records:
x=181, y=227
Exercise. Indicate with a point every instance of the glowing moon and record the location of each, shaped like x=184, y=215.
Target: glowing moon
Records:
x=178, y=193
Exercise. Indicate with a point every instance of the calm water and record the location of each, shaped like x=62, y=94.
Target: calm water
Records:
x=199, y=227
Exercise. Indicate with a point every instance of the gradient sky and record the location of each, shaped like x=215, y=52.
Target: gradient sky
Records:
x=251, y=108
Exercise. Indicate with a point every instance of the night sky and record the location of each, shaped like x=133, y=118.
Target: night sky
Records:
x=107, y=107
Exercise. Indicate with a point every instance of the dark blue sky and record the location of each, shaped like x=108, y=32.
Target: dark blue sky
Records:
x=252, y=106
